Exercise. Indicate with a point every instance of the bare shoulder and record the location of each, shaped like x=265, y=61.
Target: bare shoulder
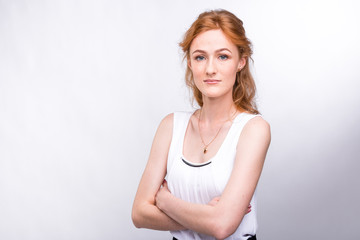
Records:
x=256, y=129
x=167, y=122
x=257, y=124
x=164, y=131
x=168, y=118
x=161, y=142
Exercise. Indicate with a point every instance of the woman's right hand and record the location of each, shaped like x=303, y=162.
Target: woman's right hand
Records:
x=215, y=201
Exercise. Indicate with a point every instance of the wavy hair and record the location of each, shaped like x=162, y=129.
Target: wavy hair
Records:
x=244, y=89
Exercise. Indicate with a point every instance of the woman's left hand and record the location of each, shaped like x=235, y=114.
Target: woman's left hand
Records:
x=162, y=195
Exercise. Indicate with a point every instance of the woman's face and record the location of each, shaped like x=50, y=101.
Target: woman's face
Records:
x=214, y=62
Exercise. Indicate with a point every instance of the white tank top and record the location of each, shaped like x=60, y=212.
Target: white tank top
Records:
x=200, y=183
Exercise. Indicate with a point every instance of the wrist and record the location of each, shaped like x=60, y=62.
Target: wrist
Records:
x=165, y=201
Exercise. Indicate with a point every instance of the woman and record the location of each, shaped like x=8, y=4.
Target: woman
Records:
x=212, y=158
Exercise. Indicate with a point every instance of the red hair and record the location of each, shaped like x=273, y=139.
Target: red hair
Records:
x=244, y=88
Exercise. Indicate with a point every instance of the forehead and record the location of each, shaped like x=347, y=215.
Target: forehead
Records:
x=211, y=41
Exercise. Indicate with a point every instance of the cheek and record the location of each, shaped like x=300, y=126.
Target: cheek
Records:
x=229, y=71
x=197, y=72
x=197, y=80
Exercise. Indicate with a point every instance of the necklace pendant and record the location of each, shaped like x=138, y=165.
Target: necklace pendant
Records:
x=205, y=150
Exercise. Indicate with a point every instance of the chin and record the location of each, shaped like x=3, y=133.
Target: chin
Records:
x=216, y=93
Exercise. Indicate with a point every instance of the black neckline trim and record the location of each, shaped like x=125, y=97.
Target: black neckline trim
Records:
x=193, y=165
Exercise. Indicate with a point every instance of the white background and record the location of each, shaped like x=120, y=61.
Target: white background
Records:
x=84, y=84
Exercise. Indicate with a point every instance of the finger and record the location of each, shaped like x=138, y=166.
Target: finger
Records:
x=217, y=198
x=165, y=183
x=249, y=209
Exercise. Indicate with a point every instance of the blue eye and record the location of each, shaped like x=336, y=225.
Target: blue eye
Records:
x=223, y=57
x=199, y=58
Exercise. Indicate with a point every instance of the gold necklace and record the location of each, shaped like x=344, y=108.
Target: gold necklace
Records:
x=202, y=140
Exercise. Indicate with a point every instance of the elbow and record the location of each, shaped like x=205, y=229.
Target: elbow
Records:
x=222, y=232
x=136, y=218
x=224, y=227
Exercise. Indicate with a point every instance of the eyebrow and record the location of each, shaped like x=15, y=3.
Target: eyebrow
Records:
x=219, y=50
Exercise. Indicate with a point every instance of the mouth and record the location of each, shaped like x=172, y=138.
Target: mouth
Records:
x=212, y=81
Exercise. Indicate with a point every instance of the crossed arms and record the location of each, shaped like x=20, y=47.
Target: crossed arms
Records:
x=156, y=208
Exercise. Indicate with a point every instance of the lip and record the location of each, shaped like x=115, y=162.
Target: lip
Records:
x=211, y=81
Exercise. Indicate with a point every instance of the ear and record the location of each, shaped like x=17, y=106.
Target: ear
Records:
x=242, y=63
x=189, y=63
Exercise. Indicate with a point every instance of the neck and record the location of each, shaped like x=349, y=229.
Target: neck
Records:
x=217, y=110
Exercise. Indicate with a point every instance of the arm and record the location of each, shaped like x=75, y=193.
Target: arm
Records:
x=145, y=214
x=222, y=219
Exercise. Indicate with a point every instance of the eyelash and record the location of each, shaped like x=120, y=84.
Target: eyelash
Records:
x=197, y=58
x=221, y=57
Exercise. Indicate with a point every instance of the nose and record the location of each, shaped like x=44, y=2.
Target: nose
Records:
x=211, y=67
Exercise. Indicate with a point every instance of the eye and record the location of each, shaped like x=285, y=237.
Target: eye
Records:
x=199, y=58
x=223, y=57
